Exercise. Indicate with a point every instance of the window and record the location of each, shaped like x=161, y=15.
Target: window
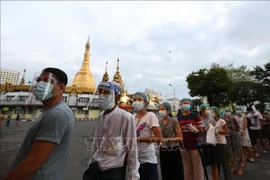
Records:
x=80, y=111
x=29, y=111
x=22, y=98
x=9, y=98
x=65, y=98
x=83, y=100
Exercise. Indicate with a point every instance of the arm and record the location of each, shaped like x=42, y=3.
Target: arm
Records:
x=50, y=133
x=224, y=130
x=38, y=154
x=156, y=138
x=131, y=150
x=154, y=126
x=179, y=136
x=244, y=124
x=259, y=115
x=198, y=128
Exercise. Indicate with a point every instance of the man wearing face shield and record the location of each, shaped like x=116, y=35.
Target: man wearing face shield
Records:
x=114, y=146
x=148, y=134
x=44, y=151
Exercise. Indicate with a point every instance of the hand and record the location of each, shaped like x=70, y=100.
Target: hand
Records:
x=242, y=132
x=193, y=129
x=216, y=131
x=163, y=142
x=209, y=125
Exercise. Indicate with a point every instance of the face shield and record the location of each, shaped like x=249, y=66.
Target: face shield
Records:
x=42, y=85
x=104, y=97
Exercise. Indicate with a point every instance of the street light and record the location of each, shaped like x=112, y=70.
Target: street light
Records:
x=173, y=94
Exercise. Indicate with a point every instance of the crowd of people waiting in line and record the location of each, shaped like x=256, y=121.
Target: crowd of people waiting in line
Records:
x=124, y=144
x=183, y=141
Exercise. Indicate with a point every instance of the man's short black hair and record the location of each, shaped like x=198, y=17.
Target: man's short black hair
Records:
x=249, y=109
x=60, y=75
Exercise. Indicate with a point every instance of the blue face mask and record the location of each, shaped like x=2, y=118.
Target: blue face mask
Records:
x=186, y=107
x=43, y=91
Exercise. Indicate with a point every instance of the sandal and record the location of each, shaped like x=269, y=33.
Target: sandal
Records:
x=233, y=171
x=257, y=155
x=251, y=160
x=239, y=172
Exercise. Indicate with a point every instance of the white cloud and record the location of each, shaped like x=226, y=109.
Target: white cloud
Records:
x=39, y=34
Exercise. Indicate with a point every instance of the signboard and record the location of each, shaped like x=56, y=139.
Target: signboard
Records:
x=5, y=109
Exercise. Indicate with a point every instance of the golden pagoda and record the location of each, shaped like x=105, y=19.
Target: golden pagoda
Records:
x=106, y=76
x=84, y=78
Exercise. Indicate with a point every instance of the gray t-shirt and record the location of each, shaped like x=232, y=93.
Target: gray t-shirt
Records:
x=54, y=125
x=205, y=122
x=168, y=130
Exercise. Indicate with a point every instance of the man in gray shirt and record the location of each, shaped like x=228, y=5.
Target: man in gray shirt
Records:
x=44, y=151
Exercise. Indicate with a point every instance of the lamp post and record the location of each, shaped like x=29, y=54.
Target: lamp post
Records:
x=173, y=95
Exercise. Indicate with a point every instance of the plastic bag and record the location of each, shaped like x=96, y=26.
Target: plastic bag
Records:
x=210, y=135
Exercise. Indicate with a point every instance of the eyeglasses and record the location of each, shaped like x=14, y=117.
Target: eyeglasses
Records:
x=46, y=79
x=104, y=91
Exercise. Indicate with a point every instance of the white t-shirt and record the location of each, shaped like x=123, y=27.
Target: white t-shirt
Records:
x=146, y=151
x=255, y=120
x=220, y=137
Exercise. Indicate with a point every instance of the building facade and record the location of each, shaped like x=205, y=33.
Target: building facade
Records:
x=9, y=75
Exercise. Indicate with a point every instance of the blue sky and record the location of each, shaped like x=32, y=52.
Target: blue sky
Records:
x=35, y=35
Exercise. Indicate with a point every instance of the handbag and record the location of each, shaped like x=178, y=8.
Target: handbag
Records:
x=210, y=135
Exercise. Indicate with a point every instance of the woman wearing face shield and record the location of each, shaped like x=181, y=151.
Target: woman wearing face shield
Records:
x=191, y=126
x=221, y=129
x=234, y=145
x=210, y=152
x=170, y=157
x=148, y=134
x=244, y=136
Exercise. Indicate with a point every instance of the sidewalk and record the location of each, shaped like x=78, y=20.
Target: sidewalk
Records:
x=12, y=136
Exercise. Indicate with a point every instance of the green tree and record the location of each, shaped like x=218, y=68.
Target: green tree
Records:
x=210, y=83
x=196, y=102
x=247, y=93
x=262, y=74
x=240, y=73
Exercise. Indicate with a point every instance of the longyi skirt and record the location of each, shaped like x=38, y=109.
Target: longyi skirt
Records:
x=210, y=154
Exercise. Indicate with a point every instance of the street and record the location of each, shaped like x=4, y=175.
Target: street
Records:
x=12, y=136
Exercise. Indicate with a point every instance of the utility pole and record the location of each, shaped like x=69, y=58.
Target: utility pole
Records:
x=173, y=95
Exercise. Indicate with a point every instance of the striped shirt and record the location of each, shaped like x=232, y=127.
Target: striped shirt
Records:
x=189, y=138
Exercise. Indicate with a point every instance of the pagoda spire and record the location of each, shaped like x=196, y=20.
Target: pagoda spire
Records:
x=117, y=77
x=22, y=80
x=106, y=76
x=84, y=78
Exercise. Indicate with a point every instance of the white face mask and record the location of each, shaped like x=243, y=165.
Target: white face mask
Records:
x=208, y=113
x=162, y=113
x=227, y=114
x=213, y=114
x=106, y=102
x=238, y=112
x=138, y=105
